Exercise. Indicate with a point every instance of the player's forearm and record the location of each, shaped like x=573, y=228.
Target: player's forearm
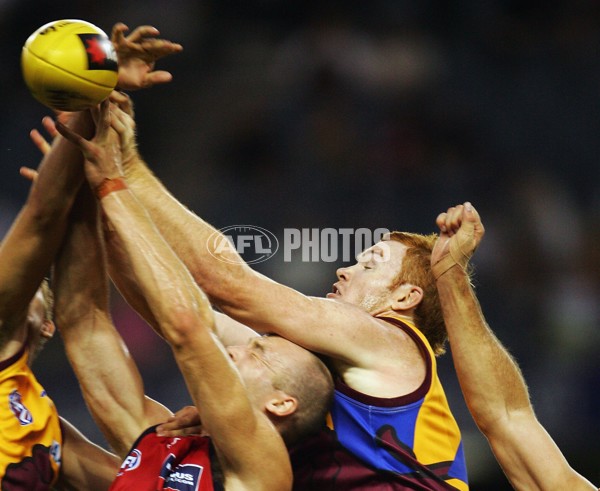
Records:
x=226, y=279
x=28, y=249
x=123, y=277
x=168, y=288
x=60, y=175
x=85, y=465
x=490, y=379
x=192, y=238
x=180, y=308
x=81, y=256
x=109, y=379
x=229, y=331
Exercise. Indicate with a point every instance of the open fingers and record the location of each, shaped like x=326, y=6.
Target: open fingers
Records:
x=157, y=77
x=141, y=32
x=49, y=126
x=118, y=33
x=159, y=48
x=84, y=145
x=39, y=141
x=28, y=173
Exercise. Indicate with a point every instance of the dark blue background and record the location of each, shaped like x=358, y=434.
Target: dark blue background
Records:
x=303, y=114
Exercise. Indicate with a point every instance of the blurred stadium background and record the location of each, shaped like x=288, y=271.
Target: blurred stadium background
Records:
x=313, y=114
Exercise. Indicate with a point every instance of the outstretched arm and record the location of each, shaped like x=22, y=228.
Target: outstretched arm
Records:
x=185, y=318
x=109, y=379
x=229, y=331
x=490, y=379
x=258, y=302
x=29, y=247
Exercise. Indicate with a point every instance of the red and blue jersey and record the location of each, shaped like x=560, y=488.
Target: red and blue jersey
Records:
x=167, y=464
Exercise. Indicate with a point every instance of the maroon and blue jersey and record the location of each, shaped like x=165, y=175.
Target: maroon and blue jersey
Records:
x=407, y=442
x=30, y=432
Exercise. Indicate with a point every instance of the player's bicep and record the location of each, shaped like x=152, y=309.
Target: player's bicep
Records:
x=332, y=328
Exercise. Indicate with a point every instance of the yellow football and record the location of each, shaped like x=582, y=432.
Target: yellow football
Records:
x=69, y=65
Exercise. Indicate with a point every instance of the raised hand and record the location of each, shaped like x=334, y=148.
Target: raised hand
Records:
x=102, y=153
x=123, y=123
x=137, y=54
x=461, y=232
x=38, y=139
x=41, y=142
x=48, y=124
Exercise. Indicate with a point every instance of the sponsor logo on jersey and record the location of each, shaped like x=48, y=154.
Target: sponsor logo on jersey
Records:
x=184, y=477
x=132, y=461
x=17, y=407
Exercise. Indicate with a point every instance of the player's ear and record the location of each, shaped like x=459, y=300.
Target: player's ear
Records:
x=282, y=404
x=48, y=329
x=406, y=297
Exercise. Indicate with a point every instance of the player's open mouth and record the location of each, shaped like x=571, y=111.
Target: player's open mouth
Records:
x=335, y=292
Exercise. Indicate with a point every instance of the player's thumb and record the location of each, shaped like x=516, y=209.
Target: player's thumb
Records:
x=474, y=219
x=157, y=77
x=469, y=217
x=471, y=229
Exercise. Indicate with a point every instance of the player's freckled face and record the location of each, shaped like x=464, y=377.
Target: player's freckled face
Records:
x=367, y=283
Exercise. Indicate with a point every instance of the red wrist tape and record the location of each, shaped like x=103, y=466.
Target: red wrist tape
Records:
x=108, y=186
